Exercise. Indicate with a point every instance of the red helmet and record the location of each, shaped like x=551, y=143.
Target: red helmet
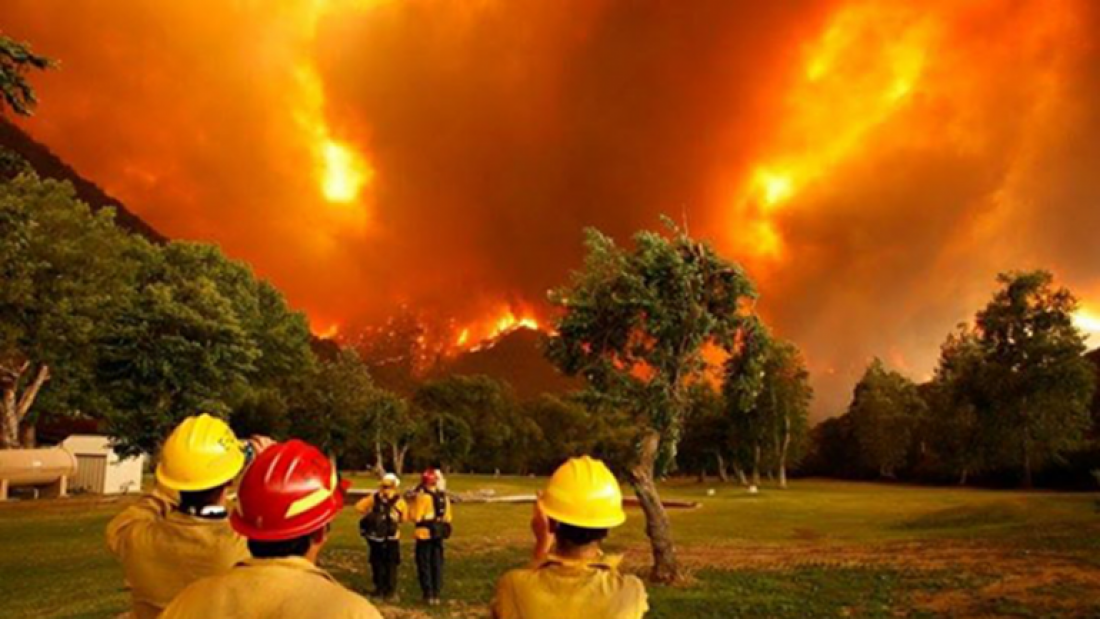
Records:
x=290, y=490
x=430, y=477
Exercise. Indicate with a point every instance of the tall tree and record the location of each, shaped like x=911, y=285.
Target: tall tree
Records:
x=959, y=403
x=707, y=437
x=785, y=399
x=634, y=325
x=177, y=349
x=457, y=407
x=743, y=385
x=884, y=408
x=1042, y=384
x=335, y=411
x=66, y=274
x=16, y=59
x=395, y=428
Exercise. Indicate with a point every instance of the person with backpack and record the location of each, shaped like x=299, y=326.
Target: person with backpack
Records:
x=382, y=514
x=571, y=576
x=431, y=511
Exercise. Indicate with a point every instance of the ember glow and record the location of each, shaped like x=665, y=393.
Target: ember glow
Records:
x=1087, y=321
x=872, y=163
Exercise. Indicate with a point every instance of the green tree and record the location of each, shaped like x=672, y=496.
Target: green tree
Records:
x=958, y=406
x=566, y=429
x=744, y=375
x=634, y=325
x=335, y=410
x=176, y=350
x=395, y=426
x=16, y=59
x=1040, y=384
x=280, y=336
x=884, y=409
x=67, y=273
x=708, y=434
x=785, y=400
x=472, y=414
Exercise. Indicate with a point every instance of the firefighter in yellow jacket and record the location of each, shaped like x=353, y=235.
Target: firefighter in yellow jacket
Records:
x=571, y=577
x=165, y=545
x=382, y=514
x=431, y=511
x=287, y=501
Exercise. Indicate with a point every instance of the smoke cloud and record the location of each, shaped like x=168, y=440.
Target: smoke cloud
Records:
x=873, y=164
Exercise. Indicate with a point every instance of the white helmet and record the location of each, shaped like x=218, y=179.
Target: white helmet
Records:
x=389, y=480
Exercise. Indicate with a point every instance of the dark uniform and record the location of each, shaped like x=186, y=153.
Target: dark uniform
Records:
x=383, y=512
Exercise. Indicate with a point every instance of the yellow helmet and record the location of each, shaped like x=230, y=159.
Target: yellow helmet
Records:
x=584, y=493
x=201, y=453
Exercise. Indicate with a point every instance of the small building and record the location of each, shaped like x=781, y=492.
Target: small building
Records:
x=100, y=469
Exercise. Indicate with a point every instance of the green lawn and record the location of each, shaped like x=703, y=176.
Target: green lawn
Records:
x=821, y=548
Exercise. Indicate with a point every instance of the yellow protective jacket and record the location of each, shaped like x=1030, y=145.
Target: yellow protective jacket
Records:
x=399, y=511
x=423, y=510
x=287, y=587
x=559, y=587
x=163, y=550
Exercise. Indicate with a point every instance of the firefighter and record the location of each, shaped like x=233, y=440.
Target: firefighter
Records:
x=180, y=532
x=431, y=511
x=571, y=577
x=287, y=501
x=382, y=514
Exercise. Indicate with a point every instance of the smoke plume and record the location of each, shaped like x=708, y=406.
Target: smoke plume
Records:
x=872, y=163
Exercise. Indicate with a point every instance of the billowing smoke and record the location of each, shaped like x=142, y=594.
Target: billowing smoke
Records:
x=873, y=164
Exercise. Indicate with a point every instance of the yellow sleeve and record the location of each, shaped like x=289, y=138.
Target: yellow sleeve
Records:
x=447, y=508
x=149, y=508
x=402, y=508
x=365, y=504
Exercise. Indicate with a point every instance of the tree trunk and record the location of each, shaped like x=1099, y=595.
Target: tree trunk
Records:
x=379, y=466
x=666, y=569
x=783, y=451
x=963, y=475
x=399, y=459
x=740, y=472
x=14, y=407
x=28, y=436
x=756, y=465
x=723, y=475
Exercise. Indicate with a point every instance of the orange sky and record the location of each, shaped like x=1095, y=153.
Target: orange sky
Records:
x=873, y=164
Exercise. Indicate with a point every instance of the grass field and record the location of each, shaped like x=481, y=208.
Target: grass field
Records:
x=820, y=549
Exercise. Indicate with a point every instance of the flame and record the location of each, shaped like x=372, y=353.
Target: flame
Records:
x=342, y=172
x=509, y=322
x=329, y=333
x=1087, y=321
x=479, y=332
x=857, y=75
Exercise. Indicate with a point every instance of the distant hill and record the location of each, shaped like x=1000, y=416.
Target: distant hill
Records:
x=49, y=165
x=515, y=357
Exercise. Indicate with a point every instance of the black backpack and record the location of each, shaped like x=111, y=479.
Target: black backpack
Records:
x=378, y=524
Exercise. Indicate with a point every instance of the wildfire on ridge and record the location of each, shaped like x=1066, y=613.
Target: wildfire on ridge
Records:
x=474, y=335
